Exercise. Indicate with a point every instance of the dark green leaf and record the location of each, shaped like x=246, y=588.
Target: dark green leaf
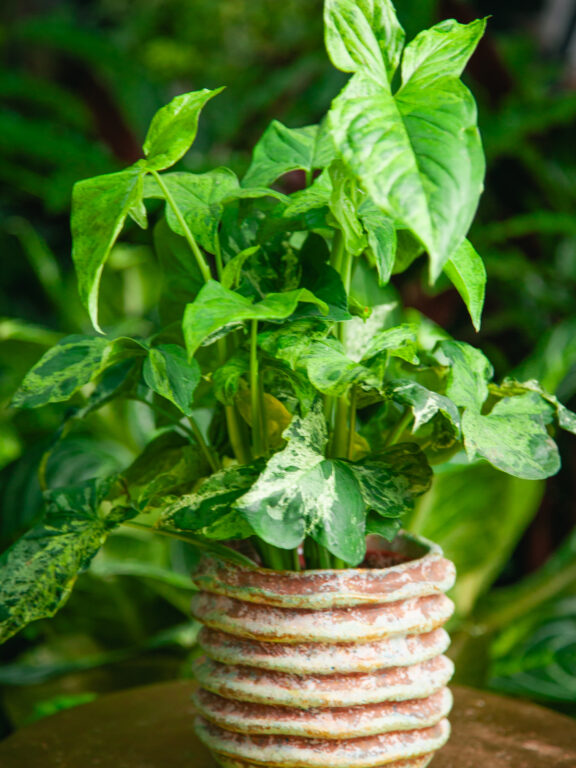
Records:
x=216, y=307
x=99, y=210
x=232, y=272
x=38, y=572
x=209, y=509
x=467, y=273
x=173, y=129
x=61, y=371
x=169, y=464
x=390, y=480
x=168, y=372
x=386, y=527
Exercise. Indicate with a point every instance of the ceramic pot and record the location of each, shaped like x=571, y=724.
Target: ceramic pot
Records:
x=326, y=669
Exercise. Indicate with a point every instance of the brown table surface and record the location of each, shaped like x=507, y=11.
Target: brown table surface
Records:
x=151, y=727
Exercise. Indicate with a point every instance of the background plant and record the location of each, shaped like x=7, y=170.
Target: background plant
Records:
x=503, y=334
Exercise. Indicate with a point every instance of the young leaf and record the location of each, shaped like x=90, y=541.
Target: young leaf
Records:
x=381, y=234
x=62, y=370
x=216, y=307
x=417, y=152
x=329, y=369
x=283, y=149
x=99, y=209
x=173, y=129
x=168, y=372
x=227, y=377
x=38, y=572
x=364, y=35
x=232, y=271
x=467, y=272
x=469, y=372
x=343, y=208
x=291, y=341
x=400, y=341
x=301, y=492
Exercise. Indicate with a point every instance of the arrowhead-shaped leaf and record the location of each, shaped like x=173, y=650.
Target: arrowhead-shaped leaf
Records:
x=173, y=129
x=283, y=149
x=363, y=35
x=216, y=307
x=99, y=209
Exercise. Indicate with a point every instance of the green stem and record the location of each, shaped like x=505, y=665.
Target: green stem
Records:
x=218, y=257
x=352, y=423
x=398, y=429
x=273, y=557
x=202, y=265
x=255, y=401
x=208, y=454
x=234, y=425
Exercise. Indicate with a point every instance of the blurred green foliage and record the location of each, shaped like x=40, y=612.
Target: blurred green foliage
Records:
x=78, y=84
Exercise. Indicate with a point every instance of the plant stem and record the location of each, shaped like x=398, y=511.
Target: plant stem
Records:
x=218, y=257
x=273, y=557
x=202, y=265
x=208, y=453
x=352, y=422
x=400, y=426
x=255, y=401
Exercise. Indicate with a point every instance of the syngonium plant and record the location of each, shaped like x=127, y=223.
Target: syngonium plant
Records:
x=300, y=410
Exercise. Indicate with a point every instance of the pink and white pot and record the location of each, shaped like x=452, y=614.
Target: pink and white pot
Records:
x=326, y=669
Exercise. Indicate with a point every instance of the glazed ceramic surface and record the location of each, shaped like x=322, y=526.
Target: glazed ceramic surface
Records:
x=319, y=669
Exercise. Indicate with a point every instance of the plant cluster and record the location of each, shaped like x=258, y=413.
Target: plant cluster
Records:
x=299, y=409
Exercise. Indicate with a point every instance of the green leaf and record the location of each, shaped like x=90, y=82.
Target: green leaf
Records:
x=400, y=341
x=329, y=369
x=390, y=480
x=173, y=129
x=317, y=195
x=62, y=370
x=233, y=270
x=38, y=572
x=382, y=241
x=181, y=277
x=169, y=464
x=114, y=382
x=417, y=152
x=216, y=307
x=516, y=443
x=99, y=209
x=441, y=51
x=283, y=149
x=424, y=403
x=199, y=197
x=469, y=372
x=566, y=418
x=227, y=377
x=168, y=372
x=343, y=208
x=208, y=511
x=302, y=493
x=467, y=272
x=364, y=35
x=290, y=341
x=386, y=527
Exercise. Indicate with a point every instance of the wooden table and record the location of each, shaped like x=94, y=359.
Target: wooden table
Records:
x=151, y=727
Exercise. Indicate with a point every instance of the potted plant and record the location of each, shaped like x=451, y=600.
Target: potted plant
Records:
x=299, y=410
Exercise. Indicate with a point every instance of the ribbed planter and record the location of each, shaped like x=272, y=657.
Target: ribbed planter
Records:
x=326, y=669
